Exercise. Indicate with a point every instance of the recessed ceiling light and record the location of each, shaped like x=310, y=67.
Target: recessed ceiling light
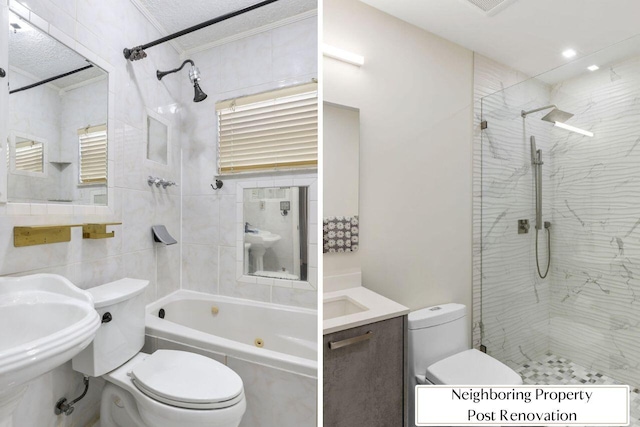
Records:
x=593, y=67
x=569, y=53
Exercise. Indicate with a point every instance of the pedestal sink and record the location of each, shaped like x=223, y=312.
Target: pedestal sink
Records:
x=44, y=321
x=260, y=242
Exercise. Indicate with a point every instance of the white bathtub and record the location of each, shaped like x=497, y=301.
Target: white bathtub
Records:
x=288, y=334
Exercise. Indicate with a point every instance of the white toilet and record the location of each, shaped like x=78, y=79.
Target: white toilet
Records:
x=439, y=353
x=165, y=389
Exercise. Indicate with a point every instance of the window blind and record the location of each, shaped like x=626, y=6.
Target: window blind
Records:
x=93, y=154
x=29, y=156
x=269, y=131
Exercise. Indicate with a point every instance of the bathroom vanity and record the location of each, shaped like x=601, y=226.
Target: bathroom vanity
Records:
x=364, y=353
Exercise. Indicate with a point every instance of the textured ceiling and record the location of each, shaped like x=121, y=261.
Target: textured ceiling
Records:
x=529, y=35
x=40, y=56
x=172, y=16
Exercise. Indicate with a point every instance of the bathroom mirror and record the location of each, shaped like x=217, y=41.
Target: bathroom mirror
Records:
x=157, y=138
x=57, y=121
x=275, y=232
x=341, y=150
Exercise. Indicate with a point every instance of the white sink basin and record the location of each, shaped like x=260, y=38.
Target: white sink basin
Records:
x=44, y=322
x=260, y=242
x=341, y=306
x=264, y=239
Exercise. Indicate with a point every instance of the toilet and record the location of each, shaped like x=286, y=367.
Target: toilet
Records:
x=168, y=388
x=439, y=353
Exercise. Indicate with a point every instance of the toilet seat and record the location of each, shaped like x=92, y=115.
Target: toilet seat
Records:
x=472, y=367
x=187, y=380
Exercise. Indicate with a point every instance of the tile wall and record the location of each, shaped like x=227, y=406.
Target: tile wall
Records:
x=275, y=58
x=515, y=301
x=585, y=309
x=595, y=321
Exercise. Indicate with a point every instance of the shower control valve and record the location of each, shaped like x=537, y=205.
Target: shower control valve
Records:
x=153, y=180
x=523, y=226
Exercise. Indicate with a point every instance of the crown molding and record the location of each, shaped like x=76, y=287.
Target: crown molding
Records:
x=249, y=33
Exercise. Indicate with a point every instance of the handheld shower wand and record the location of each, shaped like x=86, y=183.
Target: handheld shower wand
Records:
x=536, y=162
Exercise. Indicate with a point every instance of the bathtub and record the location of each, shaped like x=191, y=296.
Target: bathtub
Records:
x=272, y=335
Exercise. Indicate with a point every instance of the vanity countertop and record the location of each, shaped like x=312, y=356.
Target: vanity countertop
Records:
x=374, y=308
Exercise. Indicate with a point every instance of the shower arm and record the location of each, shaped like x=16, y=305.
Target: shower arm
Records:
x=524, y=113
x=136, y=53
x=161, y=74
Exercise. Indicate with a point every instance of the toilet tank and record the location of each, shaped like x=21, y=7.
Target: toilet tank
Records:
x=436, y=333
x=122, y=337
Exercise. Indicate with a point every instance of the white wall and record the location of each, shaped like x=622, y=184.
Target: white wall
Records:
x=414, y=93
x=99, y=31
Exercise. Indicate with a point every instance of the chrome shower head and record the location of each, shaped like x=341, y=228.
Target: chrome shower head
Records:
x=556, y=115
x=558, y=118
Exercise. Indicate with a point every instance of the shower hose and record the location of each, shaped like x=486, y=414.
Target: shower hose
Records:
x=548, y=253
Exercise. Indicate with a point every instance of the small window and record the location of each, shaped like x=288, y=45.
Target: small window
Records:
x=93, y=154
x=269, y=131
x=29, y=156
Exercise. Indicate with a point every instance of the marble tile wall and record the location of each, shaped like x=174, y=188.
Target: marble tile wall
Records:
x=595, y=320
x=275, y=58
x=488, y=77
x=99, y=31
x=512, y=301
x=585, y=310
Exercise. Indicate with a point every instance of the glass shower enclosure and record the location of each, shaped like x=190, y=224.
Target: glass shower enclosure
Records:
x=581, y=323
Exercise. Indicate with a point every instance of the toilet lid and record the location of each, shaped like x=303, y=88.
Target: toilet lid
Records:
x=472, y=367
x=187, y=380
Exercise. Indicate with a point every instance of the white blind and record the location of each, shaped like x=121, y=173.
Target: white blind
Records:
x=93, y=154
x=29, y=156
x=272, y=130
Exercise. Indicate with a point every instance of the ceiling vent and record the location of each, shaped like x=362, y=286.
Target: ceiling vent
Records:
x=489, y=7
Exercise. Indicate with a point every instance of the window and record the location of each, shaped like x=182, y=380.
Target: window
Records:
x=269, y=131
x=93, y=154
x=29, y=156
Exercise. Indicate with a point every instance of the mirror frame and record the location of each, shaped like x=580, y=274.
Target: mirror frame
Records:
x=18, y=208
x=312, y=224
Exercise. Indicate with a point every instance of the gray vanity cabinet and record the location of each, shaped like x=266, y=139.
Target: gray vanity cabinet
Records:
x=364, y=378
